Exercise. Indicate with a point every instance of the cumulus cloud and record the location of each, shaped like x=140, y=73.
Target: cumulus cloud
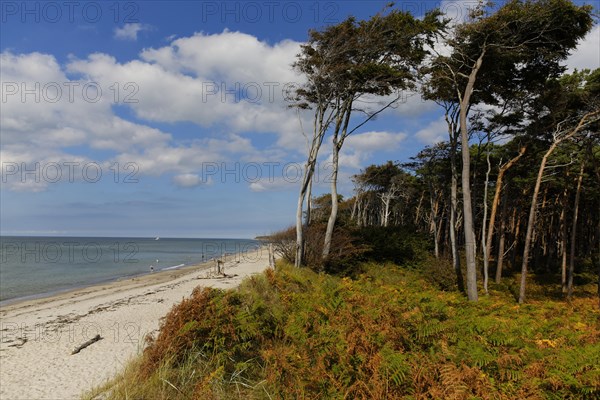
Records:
x=130, y=31
x=360, y=147
x=435, y=132
x=229, y=79
x=38, y=125
x=210, y=81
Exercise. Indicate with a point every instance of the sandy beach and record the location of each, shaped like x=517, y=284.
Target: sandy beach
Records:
x=38, y=336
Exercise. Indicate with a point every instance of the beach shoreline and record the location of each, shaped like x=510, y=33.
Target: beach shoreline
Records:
x=138, y=279
x=37, y=336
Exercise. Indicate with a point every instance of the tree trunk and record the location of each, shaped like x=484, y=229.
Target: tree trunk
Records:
x=562, y=222
x=486, y=263
x=453, y=212
x=466, y=183
x=574, y=231
x=338, y=140
x=308, y=203
x=299, y=232
x=517, y=233
x=532, y=211
x=334, y=201
x=468, y=211
x=502, y=233
x=452, y=134
x=499, y=180
x=433, y=222
x=418, y=212
x=299, y=227
x=531, y=221
x=319, y=129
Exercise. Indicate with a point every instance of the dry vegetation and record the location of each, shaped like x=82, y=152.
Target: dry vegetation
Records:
x=387, y=334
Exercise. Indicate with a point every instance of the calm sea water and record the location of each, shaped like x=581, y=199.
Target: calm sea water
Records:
x=37, y=266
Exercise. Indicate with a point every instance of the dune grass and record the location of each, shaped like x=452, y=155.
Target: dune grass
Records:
x=386, y=334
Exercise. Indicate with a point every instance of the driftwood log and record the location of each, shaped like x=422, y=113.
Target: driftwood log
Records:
x=86, y=344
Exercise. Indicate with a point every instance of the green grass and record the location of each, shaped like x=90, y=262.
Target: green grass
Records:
x=387, y=334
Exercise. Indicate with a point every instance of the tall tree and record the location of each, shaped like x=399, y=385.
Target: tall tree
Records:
x=496, y=52
x=315, y=62
x=576, y=114
x=382, y=55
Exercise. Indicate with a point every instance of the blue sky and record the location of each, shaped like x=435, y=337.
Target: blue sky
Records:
x=155, y=118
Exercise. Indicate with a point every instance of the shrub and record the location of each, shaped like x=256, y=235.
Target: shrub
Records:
x=396, y=244
x=345, y=253
x=440, y=273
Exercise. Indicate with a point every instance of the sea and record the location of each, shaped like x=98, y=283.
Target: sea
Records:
x=32, y=267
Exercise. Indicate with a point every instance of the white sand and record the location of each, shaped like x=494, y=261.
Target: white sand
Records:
x=37, y=337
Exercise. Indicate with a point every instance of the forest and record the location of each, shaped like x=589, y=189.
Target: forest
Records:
x=516, y=182
x=470, y=271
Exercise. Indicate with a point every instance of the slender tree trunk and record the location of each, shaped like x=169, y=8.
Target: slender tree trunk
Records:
x=486, y=263
x=338, y=140
x=299, y=227
x=454, y=202
x=319, y=129
x=531, y=221
x=468, y=213
x=563, y=241
x=334, y=202
x=418, y=212
x=574, y=231
x=499, y=180
x=466, y=183
x=502, y=233
x=532, y=211
x=453, y=212
x=354, y=206
x=563, y=264
x=433, y=222
x=308, y=203
x=517, y=233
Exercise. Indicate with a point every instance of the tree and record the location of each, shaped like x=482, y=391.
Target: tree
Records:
x=578, y=113
x=315, y=61
x=382, y=55
x=516, y=47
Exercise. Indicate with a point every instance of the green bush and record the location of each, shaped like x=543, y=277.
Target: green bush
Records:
x=395, y=244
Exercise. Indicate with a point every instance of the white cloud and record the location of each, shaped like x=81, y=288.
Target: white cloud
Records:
x=187, y=180
x=169, y=84
x=271, y=185
x=229, y=79
x=435, y=132
x=360, y=147
x=375, y=141
x=587, y=54
x=458, y=10
x=130, y=31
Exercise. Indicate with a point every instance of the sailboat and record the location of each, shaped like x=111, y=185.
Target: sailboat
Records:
x=157, y=238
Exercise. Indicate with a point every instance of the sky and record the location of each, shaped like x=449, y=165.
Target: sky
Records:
x=156, y=118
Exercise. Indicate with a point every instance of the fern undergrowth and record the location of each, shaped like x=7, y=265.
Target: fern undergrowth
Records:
x=387, y=334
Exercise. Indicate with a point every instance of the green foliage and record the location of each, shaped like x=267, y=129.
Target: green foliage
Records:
x=440, y=273
x=396, y=244
x=388, y=334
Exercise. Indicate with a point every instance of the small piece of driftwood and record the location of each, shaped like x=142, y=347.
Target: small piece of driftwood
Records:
x=86, y=344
